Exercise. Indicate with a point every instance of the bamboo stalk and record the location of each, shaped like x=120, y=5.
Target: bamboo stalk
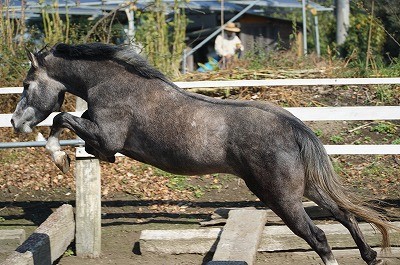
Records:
x=370, y=35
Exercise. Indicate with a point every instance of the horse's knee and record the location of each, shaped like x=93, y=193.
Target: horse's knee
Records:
x=320, y=235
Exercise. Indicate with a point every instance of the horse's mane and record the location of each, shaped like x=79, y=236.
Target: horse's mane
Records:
x=100, y=51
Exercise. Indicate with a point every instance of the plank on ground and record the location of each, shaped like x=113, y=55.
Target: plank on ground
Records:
x=10, y=239
x=194, y=241
x=220, y=215
x=241, y=236
x=280, y=238
x=48, y=242
x=203, y=240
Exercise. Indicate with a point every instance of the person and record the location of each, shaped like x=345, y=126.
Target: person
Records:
x=228, y=45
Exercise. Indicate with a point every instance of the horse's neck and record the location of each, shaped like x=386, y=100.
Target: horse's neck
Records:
x=77, y=76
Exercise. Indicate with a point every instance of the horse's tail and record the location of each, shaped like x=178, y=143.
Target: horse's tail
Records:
x=320, y=174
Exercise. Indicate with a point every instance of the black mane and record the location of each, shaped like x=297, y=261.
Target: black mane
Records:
x=100, y=51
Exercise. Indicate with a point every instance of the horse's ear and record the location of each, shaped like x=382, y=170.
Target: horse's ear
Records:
x=32, y=58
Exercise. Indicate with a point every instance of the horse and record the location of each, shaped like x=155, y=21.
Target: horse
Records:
x=135, y=110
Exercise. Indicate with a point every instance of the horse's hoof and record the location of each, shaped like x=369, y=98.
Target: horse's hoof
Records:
x=62, y=161
x=378, y=262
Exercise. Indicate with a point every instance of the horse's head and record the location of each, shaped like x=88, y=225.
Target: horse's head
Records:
x=42, y=95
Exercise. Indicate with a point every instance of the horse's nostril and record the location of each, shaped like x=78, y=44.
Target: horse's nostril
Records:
x=12, y=122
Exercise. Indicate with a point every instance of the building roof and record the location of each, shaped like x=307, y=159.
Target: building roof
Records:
x=96, y=7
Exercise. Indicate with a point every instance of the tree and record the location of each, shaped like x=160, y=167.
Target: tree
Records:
x=388, y=12
x=342, y=20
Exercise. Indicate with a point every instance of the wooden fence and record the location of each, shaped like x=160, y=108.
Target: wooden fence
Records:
x=88, y=230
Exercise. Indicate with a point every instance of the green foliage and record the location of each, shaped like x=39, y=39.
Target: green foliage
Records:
x=392, y=69
x=356, y=44
x=178, y=182
x=16, y=35
x=55, y=28
x=338, y=166
x=68, y=253
x=377, y=169
x=327, y=33
x=318, y=132
x=12, y=54
x=385, y=94
x=384, y=127
x=337, y=139
x=257, y=57
x=384, y=21
x=162, y=40
x=389, y=13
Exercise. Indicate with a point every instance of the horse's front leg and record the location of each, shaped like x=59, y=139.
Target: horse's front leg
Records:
x=84, y=128
x=60, y=158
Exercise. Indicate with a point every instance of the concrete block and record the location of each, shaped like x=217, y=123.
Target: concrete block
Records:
x=281, y=238
x=241, y=236
x=194, y=241
x=274, y=238
x=227, y=263
x=10, y=239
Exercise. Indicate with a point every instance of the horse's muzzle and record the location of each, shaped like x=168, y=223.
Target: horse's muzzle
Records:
x=23, y=123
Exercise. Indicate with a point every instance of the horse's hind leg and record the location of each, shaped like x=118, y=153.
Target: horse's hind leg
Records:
x=283, y=194
x=300, y=223
x=348, y=220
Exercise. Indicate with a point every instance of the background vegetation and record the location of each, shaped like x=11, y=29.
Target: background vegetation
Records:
x=372, y=46
x=162, y=42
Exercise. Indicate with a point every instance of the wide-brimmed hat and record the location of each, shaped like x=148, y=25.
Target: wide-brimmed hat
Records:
x=231, y=27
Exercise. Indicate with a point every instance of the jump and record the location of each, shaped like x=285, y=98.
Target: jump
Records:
x=135, y=110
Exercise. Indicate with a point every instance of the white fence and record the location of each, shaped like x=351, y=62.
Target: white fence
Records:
x=88, y=198
x=303, y=113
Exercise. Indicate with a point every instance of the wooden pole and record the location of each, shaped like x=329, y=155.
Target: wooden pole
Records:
x=368, y=57
x=88, y=200
x=88, y=207
x=304, y=10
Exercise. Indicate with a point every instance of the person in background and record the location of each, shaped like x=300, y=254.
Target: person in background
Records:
x=228, y=45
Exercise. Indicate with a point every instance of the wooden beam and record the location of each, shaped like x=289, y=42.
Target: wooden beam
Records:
x=88, y=207
x=241, y=236
x=48, y=242
x=274, y=238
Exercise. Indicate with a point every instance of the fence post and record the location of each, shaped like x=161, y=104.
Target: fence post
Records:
x=88, y=200
x=88, y=205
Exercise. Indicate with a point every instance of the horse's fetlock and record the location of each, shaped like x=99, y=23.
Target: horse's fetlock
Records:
x=370, y=256
x=377, y=262
x=53, y=145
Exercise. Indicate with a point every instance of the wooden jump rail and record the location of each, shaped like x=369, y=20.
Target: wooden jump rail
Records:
x=88, y=216
x=49, y=241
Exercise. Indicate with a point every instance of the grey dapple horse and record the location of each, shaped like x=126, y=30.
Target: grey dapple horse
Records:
x=135, y=110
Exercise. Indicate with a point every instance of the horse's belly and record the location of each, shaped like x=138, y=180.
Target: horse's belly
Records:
x=179, y=163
